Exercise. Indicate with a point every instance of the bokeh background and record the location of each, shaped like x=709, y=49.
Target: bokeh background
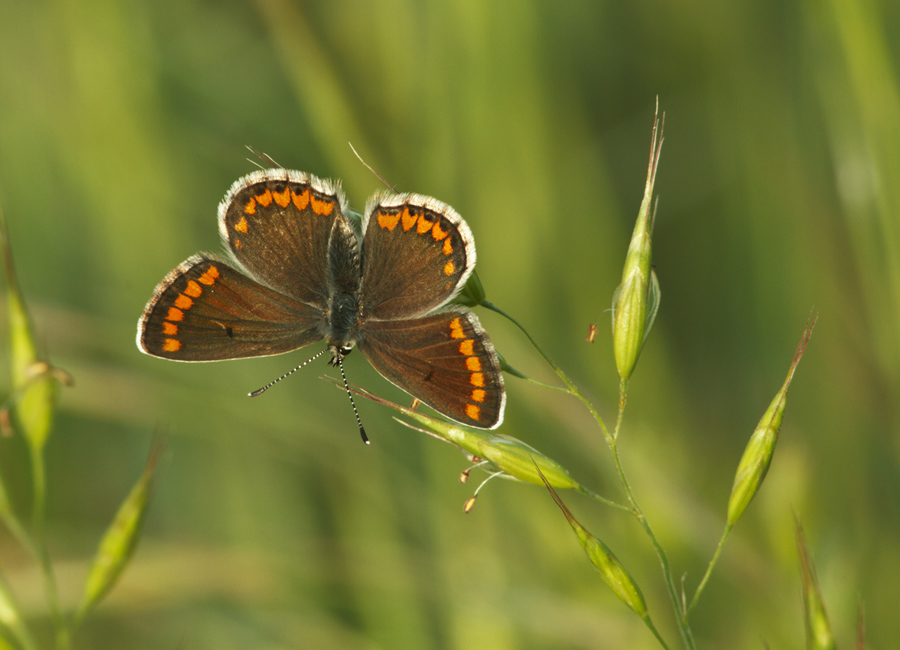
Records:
x=123, y=123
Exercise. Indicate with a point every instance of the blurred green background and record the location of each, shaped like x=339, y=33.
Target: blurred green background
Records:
x=123, y=123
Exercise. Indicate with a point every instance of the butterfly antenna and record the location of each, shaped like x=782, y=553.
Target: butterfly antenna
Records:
x=266, y=158
x=260, y=391
x=362, y=430
x=369, y=167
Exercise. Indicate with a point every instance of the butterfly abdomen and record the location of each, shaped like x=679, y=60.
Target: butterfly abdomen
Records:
x=343, y=318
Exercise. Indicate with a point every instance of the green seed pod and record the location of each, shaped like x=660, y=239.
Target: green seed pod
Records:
x=818, y=630
x=758, y=454
x=32, y=383
x=506, y=454
x=630, y=316
x=121, y=538
x=604, y=560
x=611, y=570
x=631, y=301
x=756, y=459
x=517, y=459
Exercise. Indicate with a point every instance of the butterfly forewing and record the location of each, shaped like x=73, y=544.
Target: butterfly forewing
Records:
x=417, y=253
x=205, y=310
x=446, y=360
x=277, y=223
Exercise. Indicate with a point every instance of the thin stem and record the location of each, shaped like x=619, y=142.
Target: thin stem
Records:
x=572, y=388
x=35, y=547
x=709, y=570
x=39, y=483
x=543, y=385
x=603, y=499
x=623, y=399
x=683, y=627
x=59, y=622
x=40, y=547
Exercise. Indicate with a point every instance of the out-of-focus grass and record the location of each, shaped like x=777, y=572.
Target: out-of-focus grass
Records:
x=121, y=126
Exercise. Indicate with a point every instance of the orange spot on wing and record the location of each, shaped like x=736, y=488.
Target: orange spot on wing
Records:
x=241, y=226
x=409, y=220
x=175, y=314
x=473, y=411
x=437, y=233
x=250, y=207
x=169, y=329
x=456, y=331
x=448, y=246
x=424, y=225
x=473, y=364
x=193, y=289
x=388, y=221
x=209, y=276
x=467, y=347
x=322, y=206
x=478, y=395
x=183, y=302
x=301, y=200
x=449, y=268
x=265, y=199
x=172, y=345
x=477, y=379
x=282, y=198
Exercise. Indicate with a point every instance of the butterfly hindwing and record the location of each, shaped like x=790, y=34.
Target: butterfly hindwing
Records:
x=445, y=360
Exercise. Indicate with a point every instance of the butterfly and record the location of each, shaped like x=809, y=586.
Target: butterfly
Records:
x=300, y=273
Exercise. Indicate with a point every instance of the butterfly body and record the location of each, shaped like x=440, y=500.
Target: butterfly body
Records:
x=301, y=273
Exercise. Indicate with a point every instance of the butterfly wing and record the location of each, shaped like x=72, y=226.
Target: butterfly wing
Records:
x=204, y=310
x=277, y=224
x=445, y=360
x=417, y=253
